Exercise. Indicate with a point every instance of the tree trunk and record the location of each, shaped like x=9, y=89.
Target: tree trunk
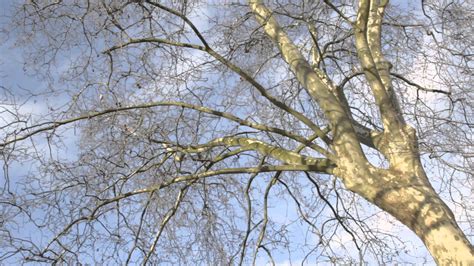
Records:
x=405, y=192
x=417, y=205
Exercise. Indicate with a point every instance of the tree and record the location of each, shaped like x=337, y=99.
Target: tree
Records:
x=177, y=124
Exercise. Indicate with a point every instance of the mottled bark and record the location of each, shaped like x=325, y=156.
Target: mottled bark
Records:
x=418, y=206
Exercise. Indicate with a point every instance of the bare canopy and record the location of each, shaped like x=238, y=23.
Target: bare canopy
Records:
x=231, y=132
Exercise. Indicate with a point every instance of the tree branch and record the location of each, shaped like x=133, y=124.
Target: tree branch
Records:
x=418, y=86
x=320, y=88
x=283, y=155
x=202, y=109
x=238, y=71
x=376, y=68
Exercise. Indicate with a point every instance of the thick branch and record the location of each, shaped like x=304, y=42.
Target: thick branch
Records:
x=345, y=142
x=283, y=155
x=376, y=69
x=320, y=165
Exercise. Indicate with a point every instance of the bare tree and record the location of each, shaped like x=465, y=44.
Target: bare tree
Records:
x=178, y=132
